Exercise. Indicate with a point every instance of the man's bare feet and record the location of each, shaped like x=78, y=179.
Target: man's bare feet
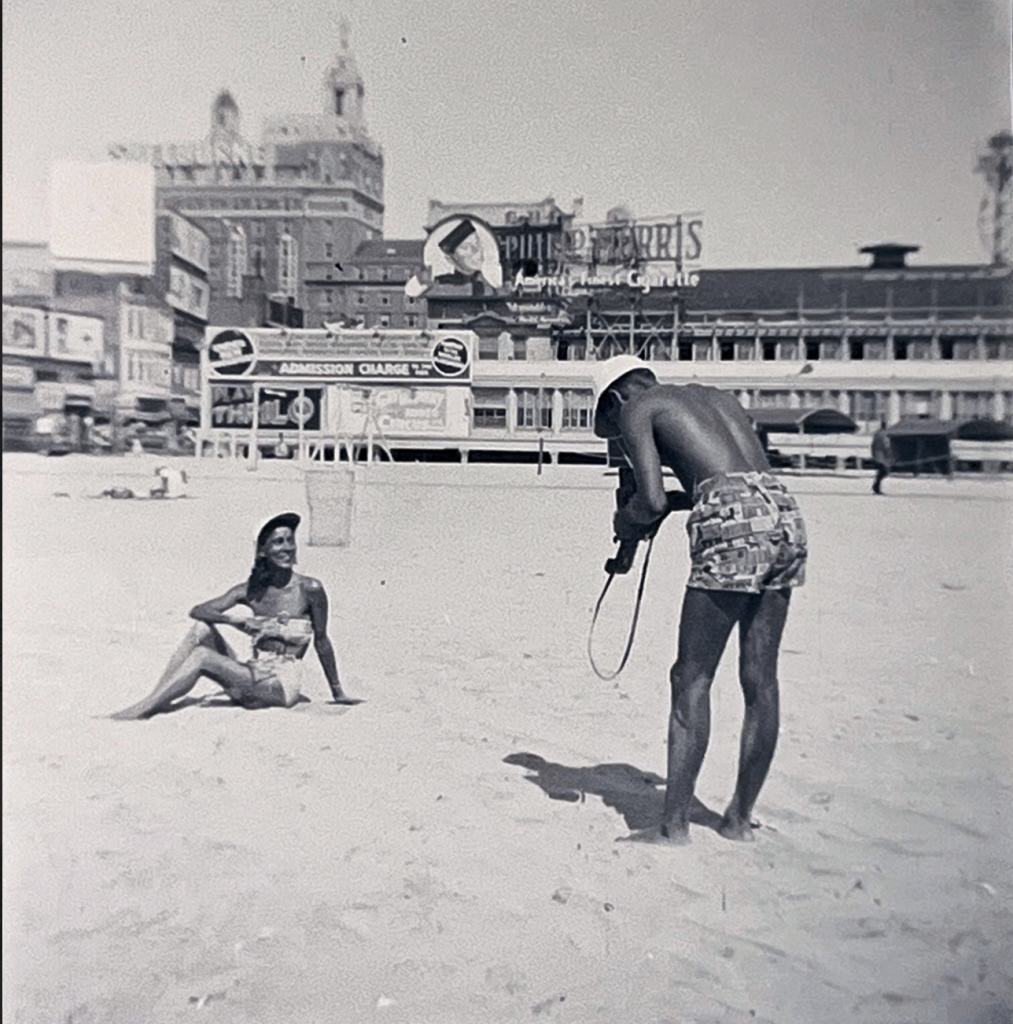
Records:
x=737, y=829
x=346, y=700
x=666, y=835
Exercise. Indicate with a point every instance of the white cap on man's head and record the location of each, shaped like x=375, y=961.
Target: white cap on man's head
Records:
x=604, y=376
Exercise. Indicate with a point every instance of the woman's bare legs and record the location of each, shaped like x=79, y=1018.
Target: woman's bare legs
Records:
x=203, y=651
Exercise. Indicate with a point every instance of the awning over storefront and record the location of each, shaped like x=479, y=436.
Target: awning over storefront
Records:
x=803, y=421
x=139, y=416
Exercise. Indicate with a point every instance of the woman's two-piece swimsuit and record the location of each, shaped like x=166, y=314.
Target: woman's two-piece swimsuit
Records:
x=277, y=667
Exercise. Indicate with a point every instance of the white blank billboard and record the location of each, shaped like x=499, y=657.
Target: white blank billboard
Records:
x=102, y=217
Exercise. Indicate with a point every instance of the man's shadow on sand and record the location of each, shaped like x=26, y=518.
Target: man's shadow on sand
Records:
x=637, y=795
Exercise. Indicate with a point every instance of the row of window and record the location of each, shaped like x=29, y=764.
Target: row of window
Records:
x=186, y=376
x=147, y=368
x=387, y=320
x=382, y=273
x=237, y=263
x=362, y=298
x=811, y=350
x=535, y=408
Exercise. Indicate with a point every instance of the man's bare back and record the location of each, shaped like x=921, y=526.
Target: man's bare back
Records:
x=699, y=431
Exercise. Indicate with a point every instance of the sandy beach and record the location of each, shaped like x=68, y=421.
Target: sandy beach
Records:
x=451, y=850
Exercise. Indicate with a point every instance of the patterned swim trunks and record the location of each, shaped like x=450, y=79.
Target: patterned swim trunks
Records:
x=746, y=534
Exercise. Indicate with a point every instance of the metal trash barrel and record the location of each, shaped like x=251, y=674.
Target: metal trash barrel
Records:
x=330, y=497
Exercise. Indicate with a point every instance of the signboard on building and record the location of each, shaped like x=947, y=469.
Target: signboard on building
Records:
x=188, y=293
x=676, y=239
x=582, y=281
x=531, y=248
x=355, y=357
x=18, y=376
x=102, y=217
x=77, y=338
x=27, y=273
x=188, y=242
x=24, y=330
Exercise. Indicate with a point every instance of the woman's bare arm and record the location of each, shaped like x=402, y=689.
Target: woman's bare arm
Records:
x=216, y=612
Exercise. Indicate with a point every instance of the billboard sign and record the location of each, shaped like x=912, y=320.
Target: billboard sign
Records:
x=231, y=353
x=102, y=217
x=458, y=248
x=676, y=239
x=280, y=409
x=24, y=330
x=188, y=242
x=582, y=281
x=401, y=411
x=445, y=357
x=188, y=293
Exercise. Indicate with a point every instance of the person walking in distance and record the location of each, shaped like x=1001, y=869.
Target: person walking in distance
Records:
x=882, y=456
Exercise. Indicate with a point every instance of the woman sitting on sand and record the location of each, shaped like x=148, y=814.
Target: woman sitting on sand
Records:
x=288, y=609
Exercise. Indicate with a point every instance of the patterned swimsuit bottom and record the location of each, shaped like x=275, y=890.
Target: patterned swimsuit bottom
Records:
x=277, y=676
x=746, y=534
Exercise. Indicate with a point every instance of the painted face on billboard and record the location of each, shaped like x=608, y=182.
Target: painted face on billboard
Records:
x=463, y=246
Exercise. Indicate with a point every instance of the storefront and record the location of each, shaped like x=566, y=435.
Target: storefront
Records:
x=333, y=396
x=50, y=359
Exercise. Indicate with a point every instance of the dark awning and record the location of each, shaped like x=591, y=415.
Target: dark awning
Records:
x=985, y=430
x=922, y=426
x=803, y=421
x=151, y=418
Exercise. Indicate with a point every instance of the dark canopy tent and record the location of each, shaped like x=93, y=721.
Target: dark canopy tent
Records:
x=984, y=430
x=921, y=444
x=802, y=421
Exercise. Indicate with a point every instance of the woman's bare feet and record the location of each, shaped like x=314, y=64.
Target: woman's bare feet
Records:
x=133, y=713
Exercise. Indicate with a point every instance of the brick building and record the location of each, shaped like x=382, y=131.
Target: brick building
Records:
x=283, y=213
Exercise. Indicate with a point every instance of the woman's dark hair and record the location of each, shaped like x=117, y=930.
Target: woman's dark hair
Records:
x=259, y=578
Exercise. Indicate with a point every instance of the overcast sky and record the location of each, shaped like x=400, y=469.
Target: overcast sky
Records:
x=801, y=128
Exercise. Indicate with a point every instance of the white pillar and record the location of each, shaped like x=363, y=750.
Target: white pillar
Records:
x=946, y=405
x=557, y=410
x=511, y=412
x=998, y=406
x=794, y=399
x=893, y=407
x=253, y=453
x=844, y=402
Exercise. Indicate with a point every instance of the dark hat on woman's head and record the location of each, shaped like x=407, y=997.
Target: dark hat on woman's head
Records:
x=289, y=519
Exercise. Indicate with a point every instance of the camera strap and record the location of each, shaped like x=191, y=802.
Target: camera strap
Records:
x=608, y=677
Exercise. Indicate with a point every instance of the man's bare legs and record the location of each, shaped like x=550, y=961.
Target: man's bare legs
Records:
x=203, y=651
x=760, y=631
x=706, y=623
